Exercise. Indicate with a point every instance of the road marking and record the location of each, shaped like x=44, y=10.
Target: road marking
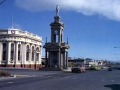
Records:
x=103, y=80
x=66, y=77
x=49, y=76
x=112, y=80
x=75, y=78
x=21, y=75
x=10, y=82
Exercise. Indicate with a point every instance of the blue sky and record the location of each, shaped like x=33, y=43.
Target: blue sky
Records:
x=92, y=26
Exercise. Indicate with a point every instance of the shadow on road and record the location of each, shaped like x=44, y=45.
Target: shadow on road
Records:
x=113, y=86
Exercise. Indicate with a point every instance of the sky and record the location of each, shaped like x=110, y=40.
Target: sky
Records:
x=92, y=26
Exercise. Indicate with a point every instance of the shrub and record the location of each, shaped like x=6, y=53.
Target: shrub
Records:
x=4, y=73
x=94, y=68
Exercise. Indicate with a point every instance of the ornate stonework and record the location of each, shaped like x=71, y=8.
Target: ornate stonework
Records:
x=56, y=51
x=20, y=49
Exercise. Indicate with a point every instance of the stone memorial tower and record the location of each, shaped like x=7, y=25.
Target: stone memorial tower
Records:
x=56, y=51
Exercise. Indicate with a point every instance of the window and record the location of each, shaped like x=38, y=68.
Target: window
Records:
x=4, y=51
x=32, y=53
x=27, y=53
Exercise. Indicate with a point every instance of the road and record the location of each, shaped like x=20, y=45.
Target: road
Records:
x=57, y=80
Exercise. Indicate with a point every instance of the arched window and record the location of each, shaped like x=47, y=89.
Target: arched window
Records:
x=27, y=53
x=37, y=54
x=33, y=53
x=4, y=51
x=19, y=46
x=12, y=52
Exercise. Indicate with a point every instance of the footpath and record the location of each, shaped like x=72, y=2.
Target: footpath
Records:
x=26, y=72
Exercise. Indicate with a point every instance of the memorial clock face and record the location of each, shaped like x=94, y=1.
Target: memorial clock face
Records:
x=13, y=32
x=56, y=32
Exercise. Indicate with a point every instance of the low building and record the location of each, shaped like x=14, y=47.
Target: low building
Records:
x=20, y=49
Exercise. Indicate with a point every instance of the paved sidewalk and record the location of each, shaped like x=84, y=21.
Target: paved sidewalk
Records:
x=27, y=72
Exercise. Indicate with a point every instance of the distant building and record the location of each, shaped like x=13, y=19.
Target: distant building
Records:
x=20, y=49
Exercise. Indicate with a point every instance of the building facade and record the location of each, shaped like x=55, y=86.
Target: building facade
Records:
x=20, y=49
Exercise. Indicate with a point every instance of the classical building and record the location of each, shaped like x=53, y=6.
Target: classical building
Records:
x=56, y=51
x=20, y=49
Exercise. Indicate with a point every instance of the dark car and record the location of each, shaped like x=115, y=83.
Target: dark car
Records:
x=78, y=68
x=109, y=69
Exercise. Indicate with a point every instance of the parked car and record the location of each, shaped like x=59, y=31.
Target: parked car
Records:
x=78, y=68
x=110, y=69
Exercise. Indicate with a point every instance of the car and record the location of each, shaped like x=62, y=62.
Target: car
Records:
x=109, y=69
x=78, y=68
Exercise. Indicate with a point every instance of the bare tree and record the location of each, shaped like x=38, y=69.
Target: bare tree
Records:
x=2, y=1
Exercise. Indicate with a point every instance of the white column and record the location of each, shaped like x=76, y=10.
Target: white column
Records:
x=16, y=52
x=21, y=51
x=30, y=53
x=8, y=53
x=39, y=57
x=24, y=53
x=1, y=52
x=35, y=54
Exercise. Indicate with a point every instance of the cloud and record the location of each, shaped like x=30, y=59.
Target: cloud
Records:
x=107, y=8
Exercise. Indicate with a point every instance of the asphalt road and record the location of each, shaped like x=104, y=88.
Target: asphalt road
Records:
x=57, y=80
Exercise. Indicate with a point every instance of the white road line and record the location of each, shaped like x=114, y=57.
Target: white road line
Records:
x=112, y=80
x=103, y=80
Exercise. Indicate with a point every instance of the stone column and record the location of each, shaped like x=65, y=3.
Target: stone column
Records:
x=52, y=35
x=30, y=53
x=21, y=50
x=66, y=59
x=50, y=62
x=62, y=36
x=1, y=53
x=35, y=53
x=40, y=55
x=46, y=59
x=59, y=59
x=16, y=53
x=63, y=59
x=8, y=53
x=59, y=35
x=35, y=62
x=24, y=53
